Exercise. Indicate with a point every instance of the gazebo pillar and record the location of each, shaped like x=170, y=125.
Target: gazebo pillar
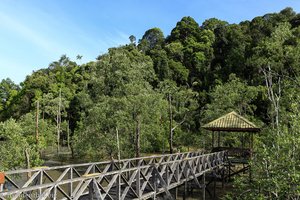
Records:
x=213, y=139
x=219, y=139
x=233, y=122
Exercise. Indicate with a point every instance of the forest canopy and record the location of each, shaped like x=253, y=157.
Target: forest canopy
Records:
x=155, y=94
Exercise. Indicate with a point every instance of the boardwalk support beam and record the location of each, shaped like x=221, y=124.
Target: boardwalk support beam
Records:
x=137, y=178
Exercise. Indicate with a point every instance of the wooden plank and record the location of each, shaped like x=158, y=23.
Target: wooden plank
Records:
x=142, y=181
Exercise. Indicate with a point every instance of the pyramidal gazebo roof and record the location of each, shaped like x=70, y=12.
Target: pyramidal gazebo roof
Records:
x=231, y=122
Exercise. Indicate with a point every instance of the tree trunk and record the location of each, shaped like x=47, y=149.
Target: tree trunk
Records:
x=68, y=135
x=37, y=123
x=72, y=151
x=58, y=121
x=27, y=159
x=170, y=124
x=58, y=132
x=137, y=137
x=273, y=96
x=118, y=144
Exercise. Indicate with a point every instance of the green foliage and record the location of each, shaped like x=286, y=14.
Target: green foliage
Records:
x=182, y=108
x=186, y=28
x=276, y=172
x=213, y=23
x=8, y=92
x=13, y=145
x=234, y=95
x=46, y=131
x=147, y=91
x=152, y=39
x=126, y=100
x=275, y=165
x=276, y=50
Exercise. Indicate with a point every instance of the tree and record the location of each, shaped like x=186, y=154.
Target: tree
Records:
x=16, y=149
x=186, y=28
x=157, y=94
x=152, y=39
x=233, y=95
x=276, y=149
x=46, y=129
x=79, y=57
x=56, y=109
x=8, y=92
x=181, y=105
x=132, y=39
x=277, y=59
x=213, y=23
x=12, y=145
x=126, y=102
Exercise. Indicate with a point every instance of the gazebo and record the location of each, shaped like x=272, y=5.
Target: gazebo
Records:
x=233, y=122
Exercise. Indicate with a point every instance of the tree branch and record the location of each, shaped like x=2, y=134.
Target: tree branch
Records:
x=179, y=123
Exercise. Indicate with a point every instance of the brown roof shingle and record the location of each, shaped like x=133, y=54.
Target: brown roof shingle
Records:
x=231, y=122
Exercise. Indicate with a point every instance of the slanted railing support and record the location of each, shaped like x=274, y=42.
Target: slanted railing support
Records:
x=137, y=178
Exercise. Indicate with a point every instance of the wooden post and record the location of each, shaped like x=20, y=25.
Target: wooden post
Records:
x=167, y=175
x=214, y=178
x=203, y=186
x=40, y=178
x=91, y=190
x=184, y=190
x=71, y=183
x=118, y=144
x=118, y=187
x=2, y=181
x=185, y=186
x=154, y=180
x=177, y=173
x=213, y=140
x=223, y=176
x=251, y=157
x=249, y=136
x=138, y=136
x=252, y=141
x=53, y=193
x=243, y=140
x=138, y=183
x=219, y=139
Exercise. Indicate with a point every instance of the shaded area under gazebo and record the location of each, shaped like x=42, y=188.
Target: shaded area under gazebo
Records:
x=233, y=122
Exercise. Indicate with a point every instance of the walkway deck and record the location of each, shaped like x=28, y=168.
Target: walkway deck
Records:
x=137, y=178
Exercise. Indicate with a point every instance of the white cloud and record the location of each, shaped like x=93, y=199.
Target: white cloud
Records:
x=28, y=33
x=124, y=37
x=42, y=35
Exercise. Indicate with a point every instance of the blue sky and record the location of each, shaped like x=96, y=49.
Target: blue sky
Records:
x=34, y=33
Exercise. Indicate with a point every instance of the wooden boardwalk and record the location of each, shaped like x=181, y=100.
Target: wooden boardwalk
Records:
x=136, y=178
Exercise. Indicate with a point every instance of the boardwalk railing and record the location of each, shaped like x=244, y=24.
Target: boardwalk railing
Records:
x=137, y=178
